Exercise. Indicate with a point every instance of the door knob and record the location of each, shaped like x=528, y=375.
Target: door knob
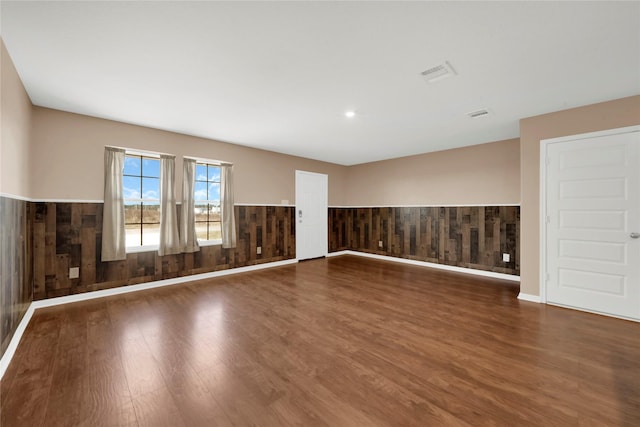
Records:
x=634, y=235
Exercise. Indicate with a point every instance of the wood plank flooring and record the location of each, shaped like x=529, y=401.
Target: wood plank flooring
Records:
x=344, y=341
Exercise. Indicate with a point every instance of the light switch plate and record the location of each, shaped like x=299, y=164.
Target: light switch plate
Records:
x=74, y=272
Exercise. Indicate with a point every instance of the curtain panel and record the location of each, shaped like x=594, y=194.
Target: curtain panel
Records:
x=188, y=239
x=113, y=233
x=227, y=207
x=169, y=238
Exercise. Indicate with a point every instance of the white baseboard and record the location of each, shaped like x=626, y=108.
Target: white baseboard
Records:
x=530, y=298
x=17, y=335
x=15, y=340
x=332, y=254
x=156, y=284
x=472, y=271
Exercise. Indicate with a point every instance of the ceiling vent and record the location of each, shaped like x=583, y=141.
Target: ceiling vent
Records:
x=438, y=72
x=478, y=113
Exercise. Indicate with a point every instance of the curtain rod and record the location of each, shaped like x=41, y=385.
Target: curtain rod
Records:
x=141, y=152
x=201, y=159
x=157, y=154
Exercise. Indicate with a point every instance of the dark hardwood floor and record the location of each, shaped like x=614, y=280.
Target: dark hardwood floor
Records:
x=344, y=341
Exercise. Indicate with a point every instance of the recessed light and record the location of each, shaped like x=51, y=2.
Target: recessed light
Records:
x=350, y=114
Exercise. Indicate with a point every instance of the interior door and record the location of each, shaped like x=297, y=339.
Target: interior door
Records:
x=593, y=221
x=311, y=215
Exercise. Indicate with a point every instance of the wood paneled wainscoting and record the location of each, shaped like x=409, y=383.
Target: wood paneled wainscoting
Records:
x=16, y=217
x=341, y=341
x=465, y=236
x=70, y=235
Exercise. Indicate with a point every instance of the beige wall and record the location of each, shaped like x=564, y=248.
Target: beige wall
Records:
x=607, y=115
x=15, y=120
x=68, y=155
x=67, y=159
x=480, y=174
x=51, y=154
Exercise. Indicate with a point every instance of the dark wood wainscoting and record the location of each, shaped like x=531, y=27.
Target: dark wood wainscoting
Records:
x=70, y=235
x=16, y=217
x=468, y=236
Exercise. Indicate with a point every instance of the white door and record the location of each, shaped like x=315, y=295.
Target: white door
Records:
x=593, y=221
x=311, y=215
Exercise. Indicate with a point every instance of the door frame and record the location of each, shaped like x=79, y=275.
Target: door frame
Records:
x=544, y=148
x=325, y=208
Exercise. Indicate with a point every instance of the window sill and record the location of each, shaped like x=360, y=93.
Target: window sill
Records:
x=155, y=248
x=209, y=242
x=138, y=249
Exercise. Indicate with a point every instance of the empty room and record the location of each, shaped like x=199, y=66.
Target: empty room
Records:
x=319, y=213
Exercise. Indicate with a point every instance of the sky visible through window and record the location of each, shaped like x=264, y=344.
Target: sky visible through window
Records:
x=141, y=178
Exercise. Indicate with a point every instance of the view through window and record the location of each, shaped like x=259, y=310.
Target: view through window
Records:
x=141, y=191
x=207, y=202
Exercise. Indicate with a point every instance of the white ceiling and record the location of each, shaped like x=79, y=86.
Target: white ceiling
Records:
x=280, y=75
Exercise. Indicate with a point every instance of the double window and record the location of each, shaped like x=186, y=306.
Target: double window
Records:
x=140, y=189
x=141, y=193
x=207, y=202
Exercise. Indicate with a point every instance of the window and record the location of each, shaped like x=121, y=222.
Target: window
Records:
x=207, y=202
x=141, y=192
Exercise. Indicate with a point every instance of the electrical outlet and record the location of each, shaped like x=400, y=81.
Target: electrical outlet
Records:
x=74, y=272
x=379, y=243
x=506, y=257
x=259, y=250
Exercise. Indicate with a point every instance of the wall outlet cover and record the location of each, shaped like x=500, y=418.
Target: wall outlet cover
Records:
x=506, y=257
x=259, y=250
x=74, y=272
x=380, y=243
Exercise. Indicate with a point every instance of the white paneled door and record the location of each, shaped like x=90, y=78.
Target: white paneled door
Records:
x=311, y=215
x=593, y=224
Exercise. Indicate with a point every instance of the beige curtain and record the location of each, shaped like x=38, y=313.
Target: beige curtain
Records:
x=169, y=238
x=113, y=235
x=188, y=239
x=227, y=207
